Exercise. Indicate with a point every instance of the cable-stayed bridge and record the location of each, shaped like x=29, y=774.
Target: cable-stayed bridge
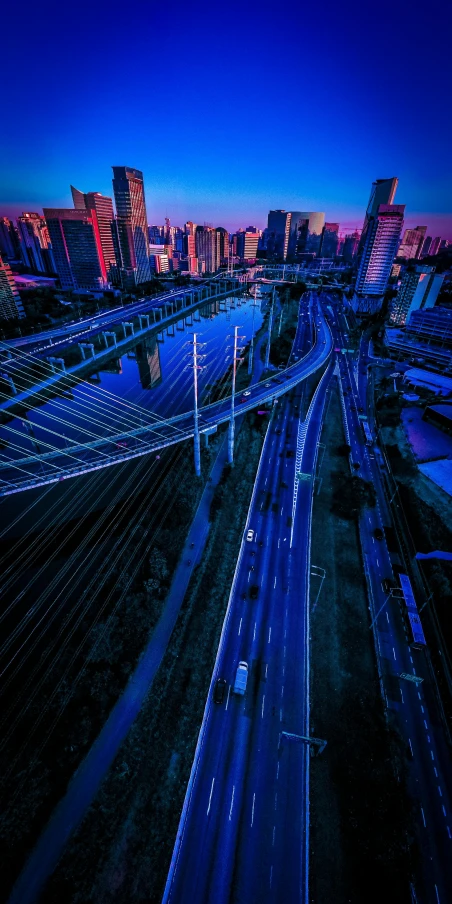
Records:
x=150, y=432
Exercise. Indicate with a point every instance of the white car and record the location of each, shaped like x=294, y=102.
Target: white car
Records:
x=247, y=393
x=250, y=536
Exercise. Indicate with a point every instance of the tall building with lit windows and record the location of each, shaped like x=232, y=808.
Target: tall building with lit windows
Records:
x=103, y=208
x=131, y=217
x=277, y=233
x=11, y=306
x=412, y=243
x=35, y=245
x=77, y=249
x=379, y=249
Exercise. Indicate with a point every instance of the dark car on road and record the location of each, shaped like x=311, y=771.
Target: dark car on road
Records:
x=387, y=585
x=378, y=533
x=220, y=687
x=254, y=590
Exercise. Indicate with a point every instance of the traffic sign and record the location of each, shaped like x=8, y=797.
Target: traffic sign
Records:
x=414, y=678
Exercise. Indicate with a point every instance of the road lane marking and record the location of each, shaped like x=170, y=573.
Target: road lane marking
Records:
x=394, y=652
x=448, y=832
x=422, y=708
x=210, y=796
x=279, y=541
x=282, y=691
x=411, y=746
x=274, y=585
x=280, y=715
x=401, y=694
x=263, y=703
x=437, y=895
x=425, y=723
x=277, y=771
x=276, y=800
x=387, y=618
x=439, y=791
x=269, y=634
x=232, y=802
x=252, y=811
x=444, y=810
x=240, y=626
x=227, y=701
x=271, y=875
x=435, y=771
x=420, y=698
x=273, y=839
x=432, y=755
x=254, y=632
x=423, y=818
x=266, y=670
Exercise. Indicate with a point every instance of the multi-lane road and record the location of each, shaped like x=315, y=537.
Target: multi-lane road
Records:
x=414, y=706
x=244, y=829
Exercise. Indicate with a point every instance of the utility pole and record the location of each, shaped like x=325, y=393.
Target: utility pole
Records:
x=280, y=323
x=270, y=325
x=232, y=416
x=251, y=352
x=196, y=367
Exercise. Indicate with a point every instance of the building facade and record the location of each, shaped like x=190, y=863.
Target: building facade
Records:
x=77, y=249
x=330, y=240
x=350, y=246
x=412, y=243
x=419, y=288
x=35, y=246
x=305, y=236
x=377, y=256
x=432, y=325
x=246, y=245
x=434, y=246
x=11, y=307
x=9, y=240
x=102, y=205
x=128, y=189
x=223, y=248
x=277, y=234
x=207, y=248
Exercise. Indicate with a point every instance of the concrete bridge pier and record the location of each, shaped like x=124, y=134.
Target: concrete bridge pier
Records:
x=113, y=336
x=59, y=361
x=160, y=337
x=143, y=318
x=170, y=330
x=89, y=345
x=125, y=324
x=180, y=325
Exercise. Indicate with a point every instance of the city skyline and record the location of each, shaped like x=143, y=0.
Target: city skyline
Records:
x=213, y=158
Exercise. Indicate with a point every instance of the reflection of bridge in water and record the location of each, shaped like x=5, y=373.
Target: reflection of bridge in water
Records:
x=35, y=470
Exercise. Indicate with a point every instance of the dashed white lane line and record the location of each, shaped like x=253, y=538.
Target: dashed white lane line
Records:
x=439, y=791
x=273, y=839
x=411, y=746
x=444, y=810
x=401, y=694
x=387, y=618
x=423, y=818
x=437, y=895
x=227, y=699
x=394, y=652
x=240, y=626
x=276, y=800
x=210, y=796
x=422, y=708
x=279, y=541
x=271, y=875
x=269, y=634
x=266, y=670
x=277, y=771
x=280, y=715
x=432, y=755
x=274, y=585
x=448, y=832
x=426, y=726
x=263, y=704
x=232, y=802
x=254, y=632
x=282, y=691
x=252, y=811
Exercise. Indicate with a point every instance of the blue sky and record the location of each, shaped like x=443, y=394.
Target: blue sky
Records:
x=229, y=109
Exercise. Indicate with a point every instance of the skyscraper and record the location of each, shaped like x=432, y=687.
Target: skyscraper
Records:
x=305, y=233
x=382, y=192
x=9, y=240
x=247, y=243
x=350, y=246
x=277, y=233
x=103, y=207
x=383, y=231
x=426, y=246
x=412, y=242
x=434, y=247
x=419, y=289
x=35, y=246
x=330, y=240
x=207, y=248
x=77, y=249
x=130, y=203
x=10, y=303
x=223, y=239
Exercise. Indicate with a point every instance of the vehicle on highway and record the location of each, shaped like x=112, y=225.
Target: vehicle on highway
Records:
x=415, y=630
x=254, y=591
x=220, y=687
x=247, y=392
x=241, y=679
x=387, y=585
x=378, y=533
x=250, y=535
x=267, y=385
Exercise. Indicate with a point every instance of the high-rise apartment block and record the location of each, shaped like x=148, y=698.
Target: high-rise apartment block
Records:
x=102, y=206
x=412, y=243
x=223, y=247
x=426, y=246
x=11, y=306
x=77, y=248
x=378, y=250
x=128, y=188
x=419, y=289
x=35, y=245
x=277, y=233
x=246, y=245
x=207, y=248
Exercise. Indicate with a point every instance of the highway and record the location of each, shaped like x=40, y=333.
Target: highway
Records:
x=25, y=472
x=414, y=706
x=244, y=829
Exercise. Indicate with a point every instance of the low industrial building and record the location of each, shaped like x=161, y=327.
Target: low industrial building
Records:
x=440, y=416
x=436, y=383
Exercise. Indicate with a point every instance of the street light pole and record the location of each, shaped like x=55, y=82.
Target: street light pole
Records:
x=270, y=324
